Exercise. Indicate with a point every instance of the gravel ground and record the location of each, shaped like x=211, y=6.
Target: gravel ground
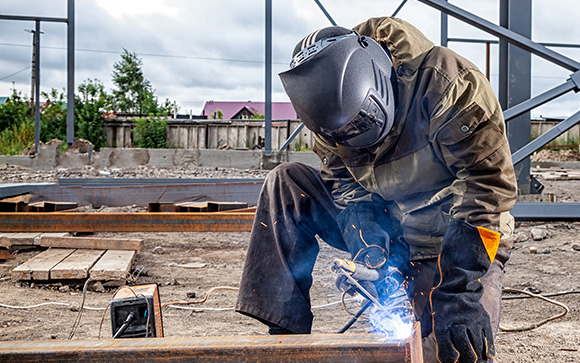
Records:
x=548, y=264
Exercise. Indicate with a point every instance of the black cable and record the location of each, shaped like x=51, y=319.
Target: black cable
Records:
x=125, y=325
x=366, y=305
x=545, y=295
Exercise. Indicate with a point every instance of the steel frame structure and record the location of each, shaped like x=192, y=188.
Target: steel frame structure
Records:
x=70, y=85
x=516, y=45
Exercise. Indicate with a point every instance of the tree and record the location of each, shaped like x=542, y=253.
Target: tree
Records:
x=53, y=116
x=91, y=105
x=134, y=92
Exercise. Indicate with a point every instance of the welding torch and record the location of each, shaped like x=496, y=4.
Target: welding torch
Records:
x=383, y=281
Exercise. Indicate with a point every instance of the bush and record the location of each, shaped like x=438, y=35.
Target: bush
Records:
x=17, y=137
x=150, y=132
x=15, y=111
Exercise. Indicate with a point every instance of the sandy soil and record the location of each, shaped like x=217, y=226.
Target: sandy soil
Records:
x=553, y=268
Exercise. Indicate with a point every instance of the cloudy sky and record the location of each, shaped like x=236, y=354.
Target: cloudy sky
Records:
x=194, y=51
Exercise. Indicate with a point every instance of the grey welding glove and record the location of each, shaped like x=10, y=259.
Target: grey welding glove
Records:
x=363, y=227
x=461, y=325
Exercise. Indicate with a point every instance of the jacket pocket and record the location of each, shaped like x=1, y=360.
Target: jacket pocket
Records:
x=461, y=125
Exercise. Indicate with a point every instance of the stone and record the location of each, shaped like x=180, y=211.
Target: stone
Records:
x=98, y=287
x=538, y=234
x=191, y=294
x=64, y=288
x=576, y=247
x=158, y=250
x=533, y=250
x=520, y=237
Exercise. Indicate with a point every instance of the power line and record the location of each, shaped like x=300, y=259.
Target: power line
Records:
x=15, y=73
x=150, y=54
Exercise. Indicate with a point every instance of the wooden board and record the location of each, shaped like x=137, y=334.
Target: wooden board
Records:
x=22, y=239
x=92, y=243
x=5, y=254
x=26, y=239
x=38, y=267
x=76, y=265
x=114, y=264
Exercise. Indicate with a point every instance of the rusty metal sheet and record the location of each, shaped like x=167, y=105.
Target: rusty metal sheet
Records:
x=126, y=222
x=282, y=348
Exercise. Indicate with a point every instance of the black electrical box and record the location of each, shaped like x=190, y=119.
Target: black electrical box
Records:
x=136, y=312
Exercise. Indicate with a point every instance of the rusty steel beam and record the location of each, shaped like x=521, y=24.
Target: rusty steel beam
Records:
x=126, y=222
x=265, y=348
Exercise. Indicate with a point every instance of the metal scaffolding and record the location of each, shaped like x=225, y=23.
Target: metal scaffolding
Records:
x=70, y=84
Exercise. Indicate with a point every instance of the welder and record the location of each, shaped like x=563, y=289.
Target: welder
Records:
x=415, y=173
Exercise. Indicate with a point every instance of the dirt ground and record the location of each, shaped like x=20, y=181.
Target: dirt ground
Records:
x=219, y=258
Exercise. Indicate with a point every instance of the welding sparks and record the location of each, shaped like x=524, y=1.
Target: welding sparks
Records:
x=390, y=325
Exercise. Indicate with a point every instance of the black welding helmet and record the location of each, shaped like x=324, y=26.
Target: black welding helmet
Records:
x=340, y=86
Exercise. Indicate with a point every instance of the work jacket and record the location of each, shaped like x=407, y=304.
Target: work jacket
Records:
x=447, y=154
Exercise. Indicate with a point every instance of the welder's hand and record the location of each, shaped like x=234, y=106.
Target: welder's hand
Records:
x=461, y=325
x=363, y=227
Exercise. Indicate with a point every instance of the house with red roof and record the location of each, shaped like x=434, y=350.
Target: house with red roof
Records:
x=245, y=110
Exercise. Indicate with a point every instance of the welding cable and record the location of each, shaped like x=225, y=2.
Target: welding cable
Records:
x=555, y=294
x=177, y=304
x=535, y=325
x=85, y=287
x=125, y=325
x=355, y=317
x=45, y=304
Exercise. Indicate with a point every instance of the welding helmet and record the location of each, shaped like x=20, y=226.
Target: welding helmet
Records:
x=339, y=83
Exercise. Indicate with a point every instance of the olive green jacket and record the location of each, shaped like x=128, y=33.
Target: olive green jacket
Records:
x=447, y=154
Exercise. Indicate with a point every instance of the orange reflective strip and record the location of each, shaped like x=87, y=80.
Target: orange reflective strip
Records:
x=490, y=241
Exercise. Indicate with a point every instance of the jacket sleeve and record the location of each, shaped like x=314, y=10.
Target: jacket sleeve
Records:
x=468, y=134
x=344, y=187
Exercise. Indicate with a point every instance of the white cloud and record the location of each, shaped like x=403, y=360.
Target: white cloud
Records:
x=195, y=51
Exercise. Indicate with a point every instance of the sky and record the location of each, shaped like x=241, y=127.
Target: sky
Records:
x=194, y=51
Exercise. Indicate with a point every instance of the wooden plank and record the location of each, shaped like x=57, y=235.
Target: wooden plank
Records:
x=5, y=254
x=115, y=264
x=92, y=243
x=21, y=239
x=38, y=267
x=76, y=265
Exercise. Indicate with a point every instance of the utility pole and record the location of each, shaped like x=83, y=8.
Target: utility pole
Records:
x=35, y=39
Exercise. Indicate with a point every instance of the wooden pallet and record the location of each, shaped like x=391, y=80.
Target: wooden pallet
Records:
x=76, y=264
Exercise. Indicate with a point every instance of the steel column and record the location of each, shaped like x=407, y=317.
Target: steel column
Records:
x=519, y=129
x=444, y=29
x=70, y=78
x=36, y=87
x=268, y=105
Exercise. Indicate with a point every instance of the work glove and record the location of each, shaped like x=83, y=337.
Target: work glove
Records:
x=363, y=230
x=461, y=326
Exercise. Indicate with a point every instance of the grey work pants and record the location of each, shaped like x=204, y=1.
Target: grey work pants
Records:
x=294, y=206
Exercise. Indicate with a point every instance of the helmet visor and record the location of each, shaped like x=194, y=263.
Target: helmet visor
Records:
x=365, y=129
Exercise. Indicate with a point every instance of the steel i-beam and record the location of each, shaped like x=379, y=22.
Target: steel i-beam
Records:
x=265, y=348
